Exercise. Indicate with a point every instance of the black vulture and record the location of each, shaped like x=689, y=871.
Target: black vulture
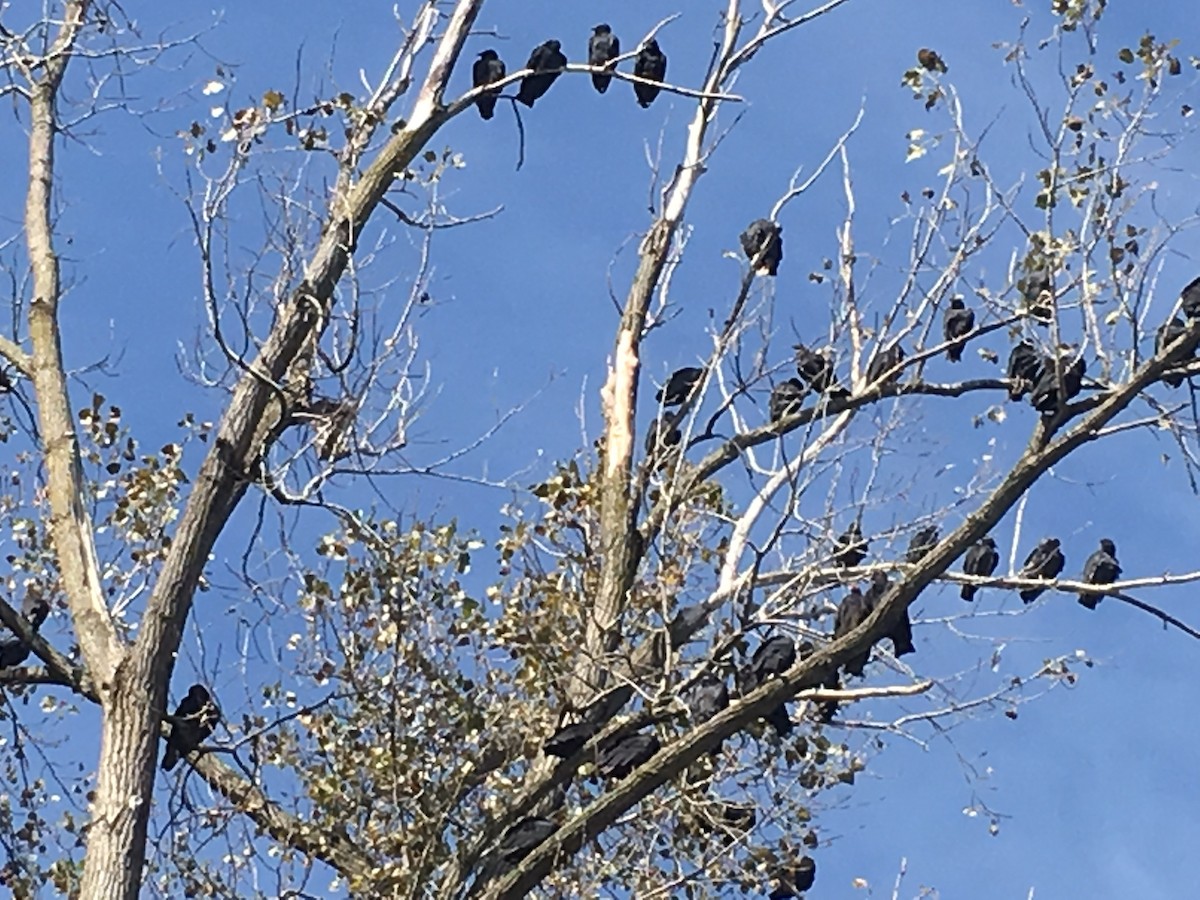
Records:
x=766, y=237
x=547, y=62
x=850, y=548
x=1046, y=560
x=786, y=399
x=957, y=322
x=981, y=559
x=1168, y=334
x=487, y=69
x=661, y=439
x=1024, y=370
x=13, y=650
x=1037, y=289
x=1189, y=300
x=651, y=64
x=617, y=757
x=1101, y=568
x=885, y=361
x=522, y=838
x=193, y=723
x=1045, y=396
x=603, y=47
x=569, y=740
x=828, y=680
x=930, y=60
x=901, y=630
x=707, y=697
x=773, y=657
x=922, y=542
x=816, y=370
x=679, y=386
x=794, y=879
x=851, y=613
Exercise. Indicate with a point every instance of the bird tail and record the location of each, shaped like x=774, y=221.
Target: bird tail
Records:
x=601, y=82
x=1029, y=596
x=954, y=354
x=170, y=758
x=968, y=592
x=1090, y=600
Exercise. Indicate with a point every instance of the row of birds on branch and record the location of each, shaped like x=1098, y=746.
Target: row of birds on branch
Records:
x=547, y=62
x=1049, y=381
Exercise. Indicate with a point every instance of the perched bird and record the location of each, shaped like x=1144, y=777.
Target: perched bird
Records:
x=851, y=613
x=603, y=47
x=981, y=559
x=523, y=837
x=569, y=740
x=547, y=62
x=13, y=650
x=827, y=679
x=765, y=237
x=1037, y=288
x=679, y=386
x=794, y=879
x=651, y=64
x=850, y=548
x=901, y=630
x=487, y=69
x=1045, y=395
x=957, y=322
x=815, y=370
x=773, y=657
x=1168, y=334
x=922, y=542
x=884, y=362
x=1101, y=568
x=786, y=399
x=737, y=817
x=707, y=697
x=1046, y=560
x=930, y=60
x=661, y=439
x=1024, y=370
x=193, y=723
x=1189, y=300
x=617, y=757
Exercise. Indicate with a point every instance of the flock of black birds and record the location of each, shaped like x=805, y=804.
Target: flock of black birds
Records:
x=547, y=62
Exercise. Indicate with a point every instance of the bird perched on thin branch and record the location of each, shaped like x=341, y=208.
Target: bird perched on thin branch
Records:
x=651, y=64
x=850, y=548
x=489, y=68
x=662, y=440
x=617, y=757
x=930, y=60
x=851, y=613
x=1045, y=397
x=794, y=879
x=13, y=650
x=1101, y=568
x=547, y=62
x=1037, y=288
x=957, y=322
x=1189, y=299
x=816, y=370
x=191, y=725
x=1024, y=370
x=882, y=366
x=981, y=559
x=679, y=386
x=772, y=658
x=1168, y=334
x=922, y=542
x=900, y=630
x=765, y=237
x=1046, y=560
x=706, y=698
x=569, y=740
x=786, y=399
x=603, y=48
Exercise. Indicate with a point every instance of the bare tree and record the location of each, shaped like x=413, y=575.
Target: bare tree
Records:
x=400, y=740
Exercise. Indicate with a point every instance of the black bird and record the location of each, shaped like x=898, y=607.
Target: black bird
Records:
x=523, y=837
x=901, y=630
x=1190, y=300
x=786, y=399
x=981, y=559
x=929, y=59
x=850, y=548
x=662, y=437
x=487, y=69
x=1045, y=396
x=886, y=360
x=707, y=697
x=603, y=47
x=618, y=757
x=815, y=369
x=679, y=386
x=1101, y=568
x=1024, y=370
x=827, y=679
x=194, y=720
x=651, y=64
x=1046, y=560
x=922, y=542
x=851, y=613
x=547, y=62
x=957, y=322
x=793, y=880
x=765, y=236
x=569, y=740
x=13, y=650
x=738, y=818
x=1168, y=334
x=1037, y=289
x=773, y=657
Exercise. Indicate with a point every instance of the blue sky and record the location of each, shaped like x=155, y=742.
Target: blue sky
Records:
x=1093, y=781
